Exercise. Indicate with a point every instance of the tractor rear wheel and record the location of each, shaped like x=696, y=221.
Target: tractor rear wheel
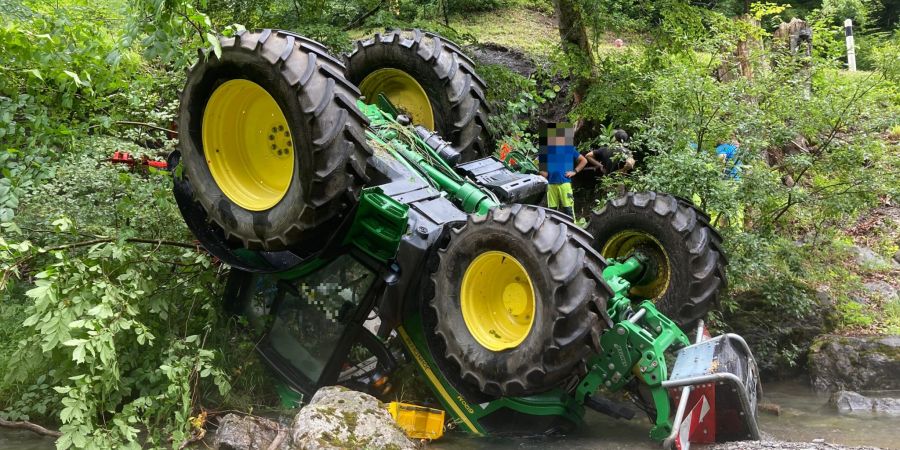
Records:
x=429, y=79
x=687, y=264
x=517, y=296
x=272, y=141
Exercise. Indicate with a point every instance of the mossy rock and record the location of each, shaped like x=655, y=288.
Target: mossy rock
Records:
x=863, y=363
x=339, y=418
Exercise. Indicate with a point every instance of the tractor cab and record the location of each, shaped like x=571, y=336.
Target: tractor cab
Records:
x=313, y=321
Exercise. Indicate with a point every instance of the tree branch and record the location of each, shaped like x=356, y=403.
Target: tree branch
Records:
x=145, y=125
x=361, y=18
x=133, y=240
x=191, y=22
x=33, y=427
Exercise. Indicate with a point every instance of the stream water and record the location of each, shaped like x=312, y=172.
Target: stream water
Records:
x=804, y=417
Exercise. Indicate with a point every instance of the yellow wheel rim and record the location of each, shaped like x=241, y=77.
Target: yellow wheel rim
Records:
x=248, y=145
x=497, y=300
x=625, y=243
x=403, y=91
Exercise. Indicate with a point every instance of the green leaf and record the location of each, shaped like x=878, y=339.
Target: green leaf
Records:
x=36, y=73
x=216, y=45
x=74, y=342
x=78, y=354
x=31, y=320
x=74, y=76
x=38, y=292
x=62, y=224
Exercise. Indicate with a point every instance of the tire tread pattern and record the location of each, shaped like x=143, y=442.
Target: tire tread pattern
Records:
x=705, y=257
x=466, y=121
x=339, y=149
x=576, y=291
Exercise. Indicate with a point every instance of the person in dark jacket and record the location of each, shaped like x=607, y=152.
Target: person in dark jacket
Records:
x=612, y=158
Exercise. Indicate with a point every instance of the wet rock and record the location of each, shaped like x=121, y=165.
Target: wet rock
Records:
x=848, y=402
x=249, y=433
x=770, y=408
x=340, y=418
x=855, y=363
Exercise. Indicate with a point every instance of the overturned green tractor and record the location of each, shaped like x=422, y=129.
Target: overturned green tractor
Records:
x=365, y=229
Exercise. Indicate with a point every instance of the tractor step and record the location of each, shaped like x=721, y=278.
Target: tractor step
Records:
x=715, y=383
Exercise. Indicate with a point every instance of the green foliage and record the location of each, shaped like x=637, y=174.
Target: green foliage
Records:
x=109, y=313
x=99, y=317
x=857, y=10
x=516, y=101
x=855, y=315
x=615, y=95
x=169, y=30
x=813, y=158
x=892, y=316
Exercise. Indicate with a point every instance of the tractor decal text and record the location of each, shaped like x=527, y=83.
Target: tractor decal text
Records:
x=420, y=360
x=620, y=352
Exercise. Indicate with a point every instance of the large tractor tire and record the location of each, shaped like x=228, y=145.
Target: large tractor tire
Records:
x=272, y=141
x=429, y=79
x=687, y=271
x=517, y=296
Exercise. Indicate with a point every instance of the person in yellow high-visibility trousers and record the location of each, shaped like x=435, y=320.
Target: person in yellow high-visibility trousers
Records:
x=559, y=161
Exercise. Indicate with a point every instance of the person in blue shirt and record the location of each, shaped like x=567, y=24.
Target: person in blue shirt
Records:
x=559, y=161
x=727, y=152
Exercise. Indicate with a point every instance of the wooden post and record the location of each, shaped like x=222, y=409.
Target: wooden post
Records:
x=851, y=51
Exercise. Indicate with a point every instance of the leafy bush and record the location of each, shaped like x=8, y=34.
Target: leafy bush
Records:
x=516, y=102
x=107, y=306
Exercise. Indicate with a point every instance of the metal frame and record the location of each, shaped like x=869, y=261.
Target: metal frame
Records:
x=688, y=383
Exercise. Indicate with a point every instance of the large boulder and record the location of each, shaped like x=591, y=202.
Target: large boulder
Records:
x=863, y=363
x=339, y=418
x=336, y=418
x=849, y=402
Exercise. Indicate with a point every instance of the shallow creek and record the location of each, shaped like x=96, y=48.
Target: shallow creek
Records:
x=804, y=417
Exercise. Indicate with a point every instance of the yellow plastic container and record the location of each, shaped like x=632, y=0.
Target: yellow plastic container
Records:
x=418, y=422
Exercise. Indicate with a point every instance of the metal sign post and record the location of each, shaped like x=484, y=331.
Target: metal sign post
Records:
x=851, y=52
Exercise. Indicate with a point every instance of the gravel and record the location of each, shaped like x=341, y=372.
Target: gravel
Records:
x=768, y=442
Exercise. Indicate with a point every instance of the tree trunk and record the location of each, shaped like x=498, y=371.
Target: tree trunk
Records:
x=575, y=42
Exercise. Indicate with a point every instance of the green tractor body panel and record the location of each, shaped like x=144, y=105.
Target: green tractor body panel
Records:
x=379, y=224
